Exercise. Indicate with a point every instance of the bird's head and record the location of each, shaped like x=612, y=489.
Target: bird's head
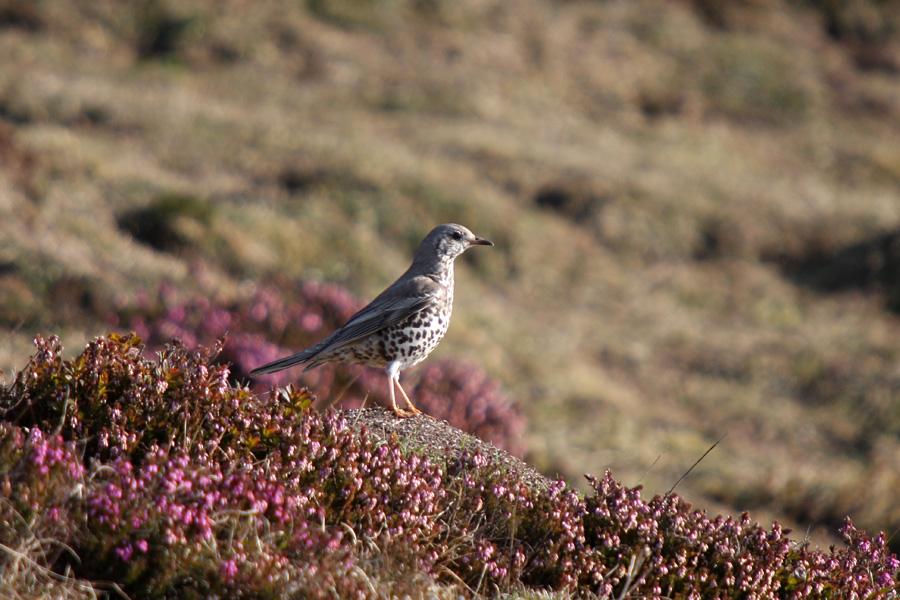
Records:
x=443, y=244
x=449, y=240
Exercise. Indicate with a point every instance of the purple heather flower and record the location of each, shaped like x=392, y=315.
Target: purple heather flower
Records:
x=124, y=552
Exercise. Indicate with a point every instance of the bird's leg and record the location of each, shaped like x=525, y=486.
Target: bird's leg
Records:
x=414, y=410
x=393, y=373
x=397, y=410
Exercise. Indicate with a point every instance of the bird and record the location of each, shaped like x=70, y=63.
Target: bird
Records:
x=403, y=324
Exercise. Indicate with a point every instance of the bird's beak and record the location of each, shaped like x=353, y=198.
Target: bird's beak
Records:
x=480, y=241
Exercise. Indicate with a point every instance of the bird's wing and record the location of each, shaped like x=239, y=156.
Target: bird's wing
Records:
x=400, y=301
x=393, y=305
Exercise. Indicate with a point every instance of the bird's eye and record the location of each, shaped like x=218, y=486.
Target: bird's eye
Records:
x=456, y=235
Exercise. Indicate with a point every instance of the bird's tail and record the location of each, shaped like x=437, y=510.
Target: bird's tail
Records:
x=282, y=363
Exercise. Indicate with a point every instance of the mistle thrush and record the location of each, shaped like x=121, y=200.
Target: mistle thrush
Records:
x=400, y=327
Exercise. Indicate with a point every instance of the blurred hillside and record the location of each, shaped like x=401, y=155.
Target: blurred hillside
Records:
x=695, y=206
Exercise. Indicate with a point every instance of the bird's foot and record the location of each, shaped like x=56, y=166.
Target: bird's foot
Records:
x=404, y=414
x=415, y=411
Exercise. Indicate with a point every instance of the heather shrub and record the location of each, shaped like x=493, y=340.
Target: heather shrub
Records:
x=684, y=553
x=38, y=475
x=267, y=327
x=196, y=486
x=118, y=403
x=614, y=544
x=519, y=535
x=160, y=478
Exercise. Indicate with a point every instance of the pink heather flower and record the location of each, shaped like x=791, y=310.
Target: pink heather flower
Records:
x=258, y=312
x=310, y=321
x=218, y=322
x=177, y=314
x=229, y=569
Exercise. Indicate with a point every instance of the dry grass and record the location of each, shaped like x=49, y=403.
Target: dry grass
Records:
x=642, y=314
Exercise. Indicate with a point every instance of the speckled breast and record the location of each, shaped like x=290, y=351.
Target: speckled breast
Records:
x=411, y=340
